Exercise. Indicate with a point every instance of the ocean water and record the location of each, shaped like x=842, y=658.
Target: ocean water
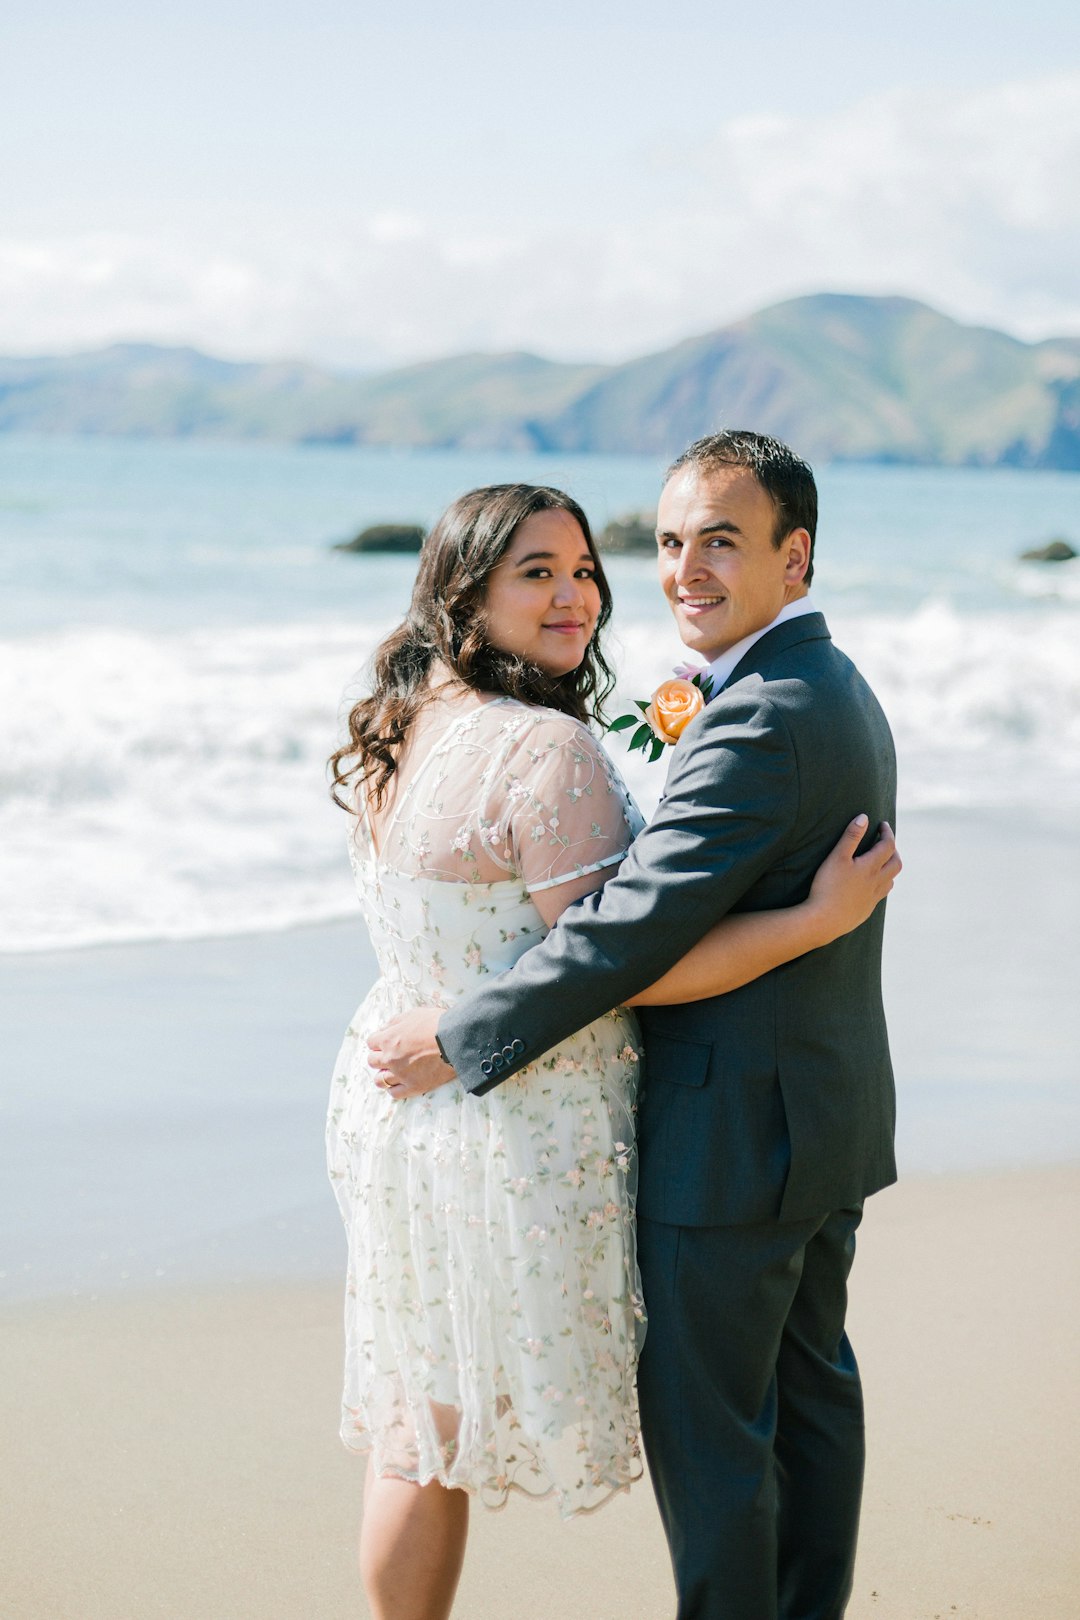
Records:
x=177, y=639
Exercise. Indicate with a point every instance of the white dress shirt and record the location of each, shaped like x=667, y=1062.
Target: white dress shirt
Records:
x=721, y=669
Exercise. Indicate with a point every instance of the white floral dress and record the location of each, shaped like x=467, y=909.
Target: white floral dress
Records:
x=493, y=1311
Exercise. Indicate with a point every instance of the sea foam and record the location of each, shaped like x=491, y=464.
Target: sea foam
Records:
x=157, y=786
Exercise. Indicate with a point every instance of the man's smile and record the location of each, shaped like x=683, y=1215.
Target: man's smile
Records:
x=722, y=568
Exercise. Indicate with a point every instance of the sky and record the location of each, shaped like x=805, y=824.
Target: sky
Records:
x=369, y=186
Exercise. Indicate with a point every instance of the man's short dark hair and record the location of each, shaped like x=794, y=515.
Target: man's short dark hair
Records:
x=785, y=477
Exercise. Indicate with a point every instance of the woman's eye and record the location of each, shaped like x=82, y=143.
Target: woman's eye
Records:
x=586, y=573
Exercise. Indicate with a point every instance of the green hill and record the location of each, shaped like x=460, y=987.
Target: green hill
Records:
x=138, y=389
x=846, y=379
x=841, y=377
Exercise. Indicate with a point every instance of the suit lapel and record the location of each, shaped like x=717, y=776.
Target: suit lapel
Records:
x=808, y=627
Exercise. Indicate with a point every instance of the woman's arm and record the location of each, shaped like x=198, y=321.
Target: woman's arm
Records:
x=844, y=892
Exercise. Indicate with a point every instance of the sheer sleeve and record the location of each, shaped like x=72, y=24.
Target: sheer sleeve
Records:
x=564, y=809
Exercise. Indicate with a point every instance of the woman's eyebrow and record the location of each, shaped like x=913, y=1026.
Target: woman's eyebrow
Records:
x=546, y=556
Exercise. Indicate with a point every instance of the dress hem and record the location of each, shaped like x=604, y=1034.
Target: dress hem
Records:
x=479, y=1492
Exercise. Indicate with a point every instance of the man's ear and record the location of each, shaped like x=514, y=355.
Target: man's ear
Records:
x=796, y=546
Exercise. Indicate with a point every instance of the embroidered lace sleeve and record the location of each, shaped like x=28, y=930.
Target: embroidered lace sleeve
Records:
x=505, y=792
x=565, y=811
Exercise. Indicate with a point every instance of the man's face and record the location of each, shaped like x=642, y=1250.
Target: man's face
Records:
x=719, y=569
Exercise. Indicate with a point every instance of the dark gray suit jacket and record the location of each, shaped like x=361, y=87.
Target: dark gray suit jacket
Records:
x=775, y=1101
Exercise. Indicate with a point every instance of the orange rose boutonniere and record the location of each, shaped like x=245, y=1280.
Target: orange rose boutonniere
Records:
x=665, y=717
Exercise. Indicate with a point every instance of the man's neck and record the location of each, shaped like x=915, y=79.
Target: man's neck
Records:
x=722, y=666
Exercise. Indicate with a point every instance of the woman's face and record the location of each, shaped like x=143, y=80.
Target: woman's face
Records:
x=542, y=599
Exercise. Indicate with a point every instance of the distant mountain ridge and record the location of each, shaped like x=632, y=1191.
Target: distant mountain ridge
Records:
x=839, y=376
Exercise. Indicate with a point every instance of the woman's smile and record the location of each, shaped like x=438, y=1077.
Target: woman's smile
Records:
x=542, y=600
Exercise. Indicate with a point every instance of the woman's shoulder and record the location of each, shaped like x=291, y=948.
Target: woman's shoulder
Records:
x=532, y=720
x=534, y=733
x=555, y=756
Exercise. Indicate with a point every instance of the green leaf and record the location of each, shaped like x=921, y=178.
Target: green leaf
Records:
x=644, y=707
x=657, y=750
x=641, y=736
x=623, y=721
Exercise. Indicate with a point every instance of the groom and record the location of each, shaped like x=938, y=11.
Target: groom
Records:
x=767, y=1113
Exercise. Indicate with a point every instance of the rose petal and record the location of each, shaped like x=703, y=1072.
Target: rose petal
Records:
x=653, y=720
x=675, y=703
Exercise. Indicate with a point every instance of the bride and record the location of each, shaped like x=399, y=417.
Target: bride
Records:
x=493, y=1312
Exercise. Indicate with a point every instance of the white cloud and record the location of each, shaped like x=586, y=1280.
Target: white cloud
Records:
x=968, y=201
x=394, y=226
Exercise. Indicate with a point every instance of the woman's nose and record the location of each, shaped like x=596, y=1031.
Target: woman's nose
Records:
x=567, y=589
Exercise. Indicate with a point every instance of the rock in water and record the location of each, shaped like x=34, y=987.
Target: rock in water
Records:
x=636, y=532
x=394, y=537
x=1053, y=551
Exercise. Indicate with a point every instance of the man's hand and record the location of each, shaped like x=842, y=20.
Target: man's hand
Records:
x=404, y=1055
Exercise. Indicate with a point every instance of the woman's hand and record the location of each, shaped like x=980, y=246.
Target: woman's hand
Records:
x=848, y=887
x=404, y=1054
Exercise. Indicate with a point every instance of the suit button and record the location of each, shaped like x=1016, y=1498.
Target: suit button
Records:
x=517, y=1046
x=509, y=1054
x=496, y=1060
x=485, y=1070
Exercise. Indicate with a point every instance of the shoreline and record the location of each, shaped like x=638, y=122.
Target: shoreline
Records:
x=1050, y=823
x=176, y=1452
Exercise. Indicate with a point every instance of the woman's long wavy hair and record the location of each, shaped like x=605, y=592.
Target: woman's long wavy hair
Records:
x=446, y=623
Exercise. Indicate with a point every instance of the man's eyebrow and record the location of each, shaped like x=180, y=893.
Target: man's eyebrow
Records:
x=724, y=526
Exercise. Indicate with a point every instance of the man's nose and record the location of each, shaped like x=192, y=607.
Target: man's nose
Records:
x=689, y=566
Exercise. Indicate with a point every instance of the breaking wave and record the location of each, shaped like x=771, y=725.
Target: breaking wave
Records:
x=168, y=786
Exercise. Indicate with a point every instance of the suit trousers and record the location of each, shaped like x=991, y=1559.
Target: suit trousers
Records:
x=752, y=1416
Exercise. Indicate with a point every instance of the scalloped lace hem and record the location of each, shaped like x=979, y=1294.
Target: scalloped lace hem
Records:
x=494, y=1498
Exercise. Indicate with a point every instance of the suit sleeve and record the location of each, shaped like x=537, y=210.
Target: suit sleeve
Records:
x=729, y=808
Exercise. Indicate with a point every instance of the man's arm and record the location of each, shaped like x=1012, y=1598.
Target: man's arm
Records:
x=730, y=805
x=846, y=890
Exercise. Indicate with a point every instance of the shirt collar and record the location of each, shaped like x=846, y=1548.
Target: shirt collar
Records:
x=722, y=668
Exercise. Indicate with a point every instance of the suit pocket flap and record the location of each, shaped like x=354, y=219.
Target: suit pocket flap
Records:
x=677, y=1061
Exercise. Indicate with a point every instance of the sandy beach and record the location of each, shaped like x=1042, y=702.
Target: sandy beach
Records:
x=174, y=1454
x=170, y=1260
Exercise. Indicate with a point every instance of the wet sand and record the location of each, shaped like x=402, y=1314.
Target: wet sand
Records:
x=175, y=1453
